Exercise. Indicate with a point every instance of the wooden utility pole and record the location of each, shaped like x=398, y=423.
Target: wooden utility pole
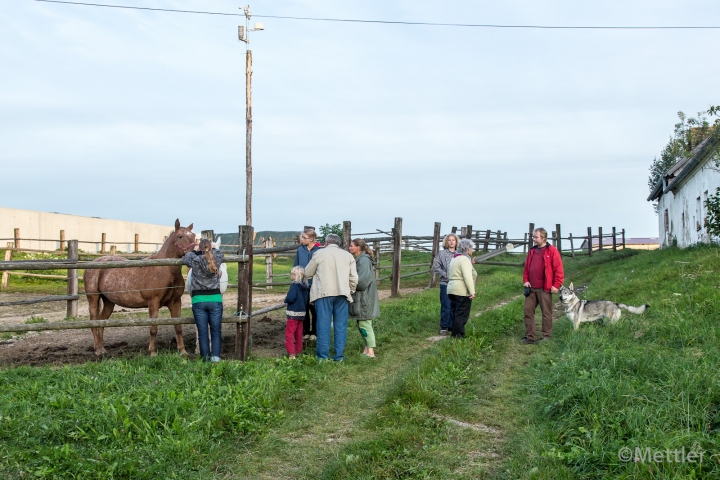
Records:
x=244, y=301
x=248, y=111
x=248, y=135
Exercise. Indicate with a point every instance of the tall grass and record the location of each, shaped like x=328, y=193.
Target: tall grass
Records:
x=160, y=417
x=649, y=381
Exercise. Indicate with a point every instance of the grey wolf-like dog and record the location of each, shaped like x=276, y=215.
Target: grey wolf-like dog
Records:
x=579, y=311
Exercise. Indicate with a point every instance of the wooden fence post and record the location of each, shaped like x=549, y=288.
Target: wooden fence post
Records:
x=62, y=240
x=614, y=240
x=244, y=301
x=600, y=245
x=525, y=243
x=8, y=257
x=269, y=243
x=376, y=252
x=454, y=230
x=572, y=247
x=113, y=249
x=623, y=238
x=397, y=254
x=16, y=233
x=531, y=229
x=346, y=234
x=468, y=232
x=72, y=280
x=137, y=243
x=499, y=236
x=435, y=250
x=477, y=240
x=102, y=243
x=589, y=245
x=486, y=245
x=558, y=241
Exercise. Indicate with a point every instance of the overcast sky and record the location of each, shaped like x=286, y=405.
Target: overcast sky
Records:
x=139, y=115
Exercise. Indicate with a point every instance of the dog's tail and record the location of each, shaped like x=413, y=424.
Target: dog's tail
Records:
x=640, y=309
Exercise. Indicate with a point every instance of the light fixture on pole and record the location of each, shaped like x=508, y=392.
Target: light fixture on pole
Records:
x=243, y=37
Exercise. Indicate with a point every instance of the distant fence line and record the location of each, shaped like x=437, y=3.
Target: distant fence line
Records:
x=392, y=241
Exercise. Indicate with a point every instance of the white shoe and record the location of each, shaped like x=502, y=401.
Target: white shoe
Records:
x=313, y=338
x=215, y=359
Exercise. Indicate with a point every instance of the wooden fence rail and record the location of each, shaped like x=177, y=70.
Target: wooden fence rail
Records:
x=119, y=322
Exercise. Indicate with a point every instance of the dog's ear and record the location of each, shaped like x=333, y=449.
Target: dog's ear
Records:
x=571, y=287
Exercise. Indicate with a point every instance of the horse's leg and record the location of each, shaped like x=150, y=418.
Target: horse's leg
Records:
x=153, y=309
x=94, y=305
x=175, y=312
x=107, y=310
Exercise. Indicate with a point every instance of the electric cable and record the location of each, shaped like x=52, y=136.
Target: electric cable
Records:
x=398, y=22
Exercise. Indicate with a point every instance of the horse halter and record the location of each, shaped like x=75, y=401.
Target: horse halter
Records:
x=182, y=250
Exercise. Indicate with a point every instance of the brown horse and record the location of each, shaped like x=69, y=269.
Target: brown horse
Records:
x=139, y=287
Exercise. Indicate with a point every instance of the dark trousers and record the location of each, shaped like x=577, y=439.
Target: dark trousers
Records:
x=310, y=321
x=445, y=309
x=538, y=297
x=460, y=308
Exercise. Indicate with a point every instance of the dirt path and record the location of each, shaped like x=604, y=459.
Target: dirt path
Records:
x=76, y=346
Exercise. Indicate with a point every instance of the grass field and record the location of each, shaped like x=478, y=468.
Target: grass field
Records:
x=482, y=407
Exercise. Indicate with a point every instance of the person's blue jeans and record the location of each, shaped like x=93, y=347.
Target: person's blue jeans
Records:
x=335, y=309
x=209, y=314
x=446, y=322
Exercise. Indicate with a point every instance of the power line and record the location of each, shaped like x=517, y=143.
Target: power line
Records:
x=392, y=22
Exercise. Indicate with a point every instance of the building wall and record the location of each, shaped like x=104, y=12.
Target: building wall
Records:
x=681, y=215
x=43, y=225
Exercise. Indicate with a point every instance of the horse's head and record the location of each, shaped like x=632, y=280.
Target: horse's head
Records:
x=184, y=238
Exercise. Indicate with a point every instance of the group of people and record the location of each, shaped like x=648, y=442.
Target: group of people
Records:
x=542, y=276
x=331, y=286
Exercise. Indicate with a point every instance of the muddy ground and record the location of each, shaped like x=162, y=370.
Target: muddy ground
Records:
x=76, y=346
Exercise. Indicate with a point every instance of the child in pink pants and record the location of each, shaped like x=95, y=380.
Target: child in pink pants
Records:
x=297, y=300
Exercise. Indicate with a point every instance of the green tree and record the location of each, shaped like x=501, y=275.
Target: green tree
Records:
x=712, y=218
x=327, y=229
x=688, y=133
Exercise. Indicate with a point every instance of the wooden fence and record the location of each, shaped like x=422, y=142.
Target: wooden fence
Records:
x=490, y=242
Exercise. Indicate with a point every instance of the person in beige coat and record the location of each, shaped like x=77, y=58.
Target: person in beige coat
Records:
x=461, y=286
x=334, y=277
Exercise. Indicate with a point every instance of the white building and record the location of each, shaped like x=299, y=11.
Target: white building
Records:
x=681, y=196
x=41, y=230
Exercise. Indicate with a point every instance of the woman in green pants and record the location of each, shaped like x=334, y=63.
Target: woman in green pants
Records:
x=366, y=304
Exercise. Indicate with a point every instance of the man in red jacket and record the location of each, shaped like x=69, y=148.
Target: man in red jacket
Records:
x=544, y=276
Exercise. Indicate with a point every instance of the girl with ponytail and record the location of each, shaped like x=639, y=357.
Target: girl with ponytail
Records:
x=366, y=304
x=207, y=307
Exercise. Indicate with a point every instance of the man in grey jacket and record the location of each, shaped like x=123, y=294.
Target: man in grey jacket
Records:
x=334, y=277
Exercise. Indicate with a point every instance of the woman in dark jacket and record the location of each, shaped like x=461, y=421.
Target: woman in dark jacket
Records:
x=366, y=304
x=207, y=304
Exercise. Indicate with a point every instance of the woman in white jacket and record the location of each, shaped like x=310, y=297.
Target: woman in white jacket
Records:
x=461, y=286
